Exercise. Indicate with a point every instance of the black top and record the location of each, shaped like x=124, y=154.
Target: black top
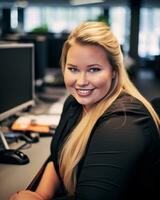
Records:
x=122, y=156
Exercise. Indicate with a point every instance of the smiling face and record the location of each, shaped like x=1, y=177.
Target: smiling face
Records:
x=87, y=74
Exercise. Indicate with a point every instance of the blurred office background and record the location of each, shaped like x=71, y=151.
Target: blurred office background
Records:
x=46, y=23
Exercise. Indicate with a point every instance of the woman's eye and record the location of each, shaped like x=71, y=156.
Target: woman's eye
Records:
x=94, y=69
x=72, y=69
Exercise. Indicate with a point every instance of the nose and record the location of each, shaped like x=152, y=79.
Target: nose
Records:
x=82, y=79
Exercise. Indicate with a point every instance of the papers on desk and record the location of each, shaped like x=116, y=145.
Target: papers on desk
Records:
x=56, y=108
x=36, y=123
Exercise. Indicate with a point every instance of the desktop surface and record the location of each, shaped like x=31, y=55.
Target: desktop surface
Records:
x=17, y=177
x=14, y=177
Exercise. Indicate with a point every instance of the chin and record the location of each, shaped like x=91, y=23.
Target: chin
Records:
x=82, y=102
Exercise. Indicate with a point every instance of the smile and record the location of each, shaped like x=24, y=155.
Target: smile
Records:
x=84, y=92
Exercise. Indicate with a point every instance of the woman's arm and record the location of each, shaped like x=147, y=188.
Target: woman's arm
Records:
x=111, y=160
x=48, y=183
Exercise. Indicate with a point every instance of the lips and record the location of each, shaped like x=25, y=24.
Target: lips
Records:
x=84, y=92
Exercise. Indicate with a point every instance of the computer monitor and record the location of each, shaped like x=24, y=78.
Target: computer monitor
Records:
x=16, y=91
x=40, y=55
x=40, y=47
x=16, y=78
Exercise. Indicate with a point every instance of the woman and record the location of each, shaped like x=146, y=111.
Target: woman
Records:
x=107, y=143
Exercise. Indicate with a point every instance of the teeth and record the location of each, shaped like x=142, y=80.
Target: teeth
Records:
x=84, y=92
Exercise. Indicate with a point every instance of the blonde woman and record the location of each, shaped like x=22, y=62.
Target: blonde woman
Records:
x=107, y=143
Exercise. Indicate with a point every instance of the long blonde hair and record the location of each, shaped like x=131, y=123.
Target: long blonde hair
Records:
x=95, y=33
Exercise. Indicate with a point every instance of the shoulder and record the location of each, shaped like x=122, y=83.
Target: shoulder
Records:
x=126, y=124
x=127, y=105
x=129, y=117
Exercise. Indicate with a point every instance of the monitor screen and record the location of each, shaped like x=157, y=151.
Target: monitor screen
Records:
x=16, y=78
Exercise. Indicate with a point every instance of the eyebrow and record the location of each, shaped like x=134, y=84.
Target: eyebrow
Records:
x=88, y=66
x=71, y=65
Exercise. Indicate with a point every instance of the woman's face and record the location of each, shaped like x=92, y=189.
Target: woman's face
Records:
x=87, y=74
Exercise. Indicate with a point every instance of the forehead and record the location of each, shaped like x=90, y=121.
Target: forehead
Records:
x=82, y=55
x=86, y=50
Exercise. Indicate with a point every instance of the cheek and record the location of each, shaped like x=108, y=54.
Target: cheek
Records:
x=103, y=81
x=68, y=79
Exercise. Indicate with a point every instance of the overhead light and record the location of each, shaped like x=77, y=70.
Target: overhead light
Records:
x=83, y=2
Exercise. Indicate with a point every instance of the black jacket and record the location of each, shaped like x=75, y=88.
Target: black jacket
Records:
x=122, y=156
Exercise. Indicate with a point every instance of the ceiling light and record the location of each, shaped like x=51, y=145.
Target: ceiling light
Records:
x=83, y=2
x=21, y=3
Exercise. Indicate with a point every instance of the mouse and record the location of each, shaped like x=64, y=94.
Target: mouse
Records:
x=12, y=156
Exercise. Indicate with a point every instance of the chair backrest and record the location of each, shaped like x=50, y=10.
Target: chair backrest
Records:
x=156, y=104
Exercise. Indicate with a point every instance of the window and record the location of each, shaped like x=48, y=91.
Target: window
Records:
x=119, y=21
x=33, y=18
x=120, y=24
x=58, y=19
x=14, y=18
x=149, y=36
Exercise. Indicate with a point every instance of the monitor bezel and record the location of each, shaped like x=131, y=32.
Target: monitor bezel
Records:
x=22, y=106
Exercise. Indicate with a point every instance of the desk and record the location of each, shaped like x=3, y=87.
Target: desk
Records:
x=17, y=177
